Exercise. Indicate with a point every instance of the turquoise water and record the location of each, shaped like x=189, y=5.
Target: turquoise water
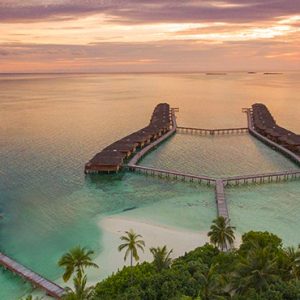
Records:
x=272, y=207
x=218, y=156
x=51, y=125
x=191, y=206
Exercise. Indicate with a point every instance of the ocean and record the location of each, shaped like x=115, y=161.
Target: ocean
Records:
x=52, y=124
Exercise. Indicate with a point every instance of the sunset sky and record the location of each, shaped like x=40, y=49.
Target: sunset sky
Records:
x=149, y=36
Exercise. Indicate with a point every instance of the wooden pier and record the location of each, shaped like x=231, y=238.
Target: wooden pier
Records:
x=51, y=288
x=231, y=180
x=262, y=178
x=220, y=131
x=173, y=175
x=220, y=199
x=219, y=183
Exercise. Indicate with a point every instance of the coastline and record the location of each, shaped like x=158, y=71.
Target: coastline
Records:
x=113, y=227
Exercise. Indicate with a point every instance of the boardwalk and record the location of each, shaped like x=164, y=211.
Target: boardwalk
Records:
x=173, y=174
x=236, y=180
x=220, y=199
x=221, y=131
x=263, y=178
x=35, y=279
x=219, y=183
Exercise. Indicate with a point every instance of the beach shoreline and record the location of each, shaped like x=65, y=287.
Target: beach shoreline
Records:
x=111, y=260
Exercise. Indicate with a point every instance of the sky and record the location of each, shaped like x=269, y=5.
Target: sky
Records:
x=149, y=36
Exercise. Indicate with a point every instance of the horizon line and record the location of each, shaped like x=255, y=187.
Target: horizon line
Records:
x=154, y=72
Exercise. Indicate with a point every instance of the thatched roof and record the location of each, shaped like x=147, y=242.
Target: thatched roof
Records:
x=108, y=158
x=115, y=153
x=263, y=120
x=277, y=131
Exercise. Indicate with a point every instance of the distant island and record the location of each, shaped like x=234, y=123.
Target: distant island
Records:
x=216, y=73
x=272, y=73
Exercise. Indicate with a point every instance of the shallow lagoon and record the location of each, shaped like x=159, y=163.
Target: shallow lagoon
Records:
x=217, y=156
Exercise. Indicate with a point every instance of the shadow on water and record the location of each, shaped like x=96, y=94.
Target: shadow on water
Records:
x=102, y=180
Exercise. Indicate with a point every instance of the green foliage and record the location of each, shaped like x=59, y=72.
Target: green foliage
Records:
x=262, y=239
x=221, y=234
x=81, y=291
x=161, y=257
x=290, y=260
x=75, y=261
x=257, y=270
x=184, y=277
x=30, y=297
x=261, y=269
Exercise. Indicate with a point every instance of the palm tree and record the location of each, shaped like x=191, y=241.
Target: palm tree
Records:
x=161, y=257
x=221, y=233
x=212, y=283
x=75, y=261
x=132, y=243
x=80, y=291
x=257, y=270
x=293, y=256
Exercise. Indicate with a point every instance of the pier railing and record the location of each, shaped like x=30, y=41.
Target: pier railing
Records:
x=219, y=131
x=35, y=279
x=220, y=199
x=173, y=174
x=263, y=178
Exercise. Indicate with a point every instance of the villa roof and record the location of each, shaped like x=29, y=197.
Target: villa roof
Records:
x=293, y=140
x=115, y=153
x=108, y=158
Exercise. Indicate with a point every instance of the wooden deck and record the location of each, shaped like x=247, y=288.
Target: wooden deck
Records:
x=236, y=180
x=220, y=199
x=51, y=288
x=220, y=131
x=173, y=174
x=263, y=178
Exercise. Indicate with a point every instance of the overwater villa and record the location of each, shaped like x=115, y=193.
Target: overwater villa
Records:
x=112, y=157
x=265, y=124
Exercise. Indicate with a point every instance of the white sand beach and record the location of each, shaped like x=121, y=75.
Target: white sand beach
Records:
x=110, y=259
x=113, y=227
x=154, y=235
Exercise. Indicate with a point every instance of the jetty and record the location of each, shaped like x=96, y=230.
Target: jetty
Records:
x=262, y=178
x=220, y=199
x=51, y=288
x=161, y=173
x=261, y=125
x=221, y=183
x=219, y=131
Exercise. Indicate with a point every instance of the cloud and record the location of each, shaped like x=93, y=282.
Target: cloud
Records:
x=143, y=35
x=167, y=56
x=145, y=11
x=4, y=53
